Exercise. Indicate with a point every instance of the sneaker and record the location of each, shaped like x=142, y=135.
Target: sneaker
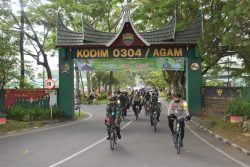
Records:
x=119, y=136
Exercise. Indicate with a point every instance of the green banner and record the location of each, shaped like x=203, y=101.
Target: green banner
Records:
x=161, y=63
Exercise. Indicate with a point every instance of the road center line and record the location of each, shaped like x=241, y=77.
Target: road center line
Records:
x=217, y=149
x=85, y=149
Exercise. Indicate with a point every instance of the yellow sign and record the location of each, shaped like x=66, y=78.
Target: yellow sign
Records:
x=129, y=52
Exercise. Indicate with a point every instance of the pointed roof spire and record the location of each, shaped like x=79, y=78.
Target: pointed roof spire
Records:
x=126, y=20
x=127, y=11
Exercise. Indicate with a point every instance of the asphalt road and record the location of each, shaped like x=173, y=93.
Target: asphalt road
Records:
x=83, y=144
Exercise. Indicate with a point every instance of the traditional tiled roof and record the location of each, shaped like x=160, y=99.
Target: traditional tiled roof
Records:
x=164, y=36
x=95, y=36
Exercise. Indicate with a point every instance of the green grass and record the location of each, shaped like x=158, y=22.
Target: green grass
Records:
x=231, y=131
x=82, y=114
x=12, y=125
x=104, y=101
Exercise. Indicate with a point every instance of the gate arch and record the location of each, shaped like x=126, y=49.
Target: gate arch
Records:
x=128, y=43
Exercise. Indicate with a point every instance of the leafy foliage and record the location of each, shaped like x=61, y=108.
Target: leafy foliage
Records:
x=239, y=107
x=21, y=113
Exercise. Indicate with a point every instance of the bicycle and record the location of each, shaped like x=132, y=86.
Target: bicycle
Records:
x=123, y=111
x=113, y=136
x=112, y=131
x=177, y=134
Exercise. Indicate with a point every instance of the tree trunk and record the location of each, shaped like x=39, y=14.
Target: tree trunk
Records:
x=106, y=88
x=77, y=86
x=88, y=82
x=182, y=84
x=2, y=98
x=82, y=82
x=21, y=45
x=48, y=71
x=99, y=85
x=110, y=81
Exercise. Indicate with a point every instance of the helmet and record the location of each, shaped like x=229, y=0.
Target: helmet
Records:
x=113, y=98
x=178, y=95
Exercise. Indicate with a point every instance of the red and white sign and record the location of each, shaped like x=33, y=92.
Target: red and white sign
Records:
x=3, y=120
x=236, y=119
x=50, y=84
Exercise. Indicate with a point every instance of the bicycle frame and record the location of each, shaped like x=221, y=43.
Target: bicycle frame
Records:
x=177, y=135
x=113, y=136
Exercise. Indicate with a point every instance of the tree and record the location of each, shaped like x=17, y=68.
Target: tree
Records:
x=21, y=42
x=32, y=38
x=237, y=16
x=8, y=62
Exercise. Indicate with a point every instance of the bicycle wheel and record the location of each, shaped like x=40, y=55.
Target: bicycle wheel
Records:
x=112, y=140
x=115, y=137
x=175, y=139
x=146, y=109
x=155, y=123
x=136, y=113
x=178, y=144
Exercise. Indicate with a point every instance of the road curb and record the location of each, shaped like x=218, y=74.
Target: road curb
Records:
x=225, y=141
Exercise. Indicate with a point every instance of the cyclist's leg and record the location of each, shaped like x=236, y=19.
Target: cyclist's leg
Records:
x=158, y=114
x=171, y=125
x=134, y=105
x=118, y=131
x=108, y=130
x=182, y=126
x=140, y=107
x=151, y=117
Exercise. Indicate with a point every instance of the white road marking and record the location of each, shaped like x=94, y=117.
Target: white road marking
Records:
x=43, y=129
x=217, y=149
x=85, y=149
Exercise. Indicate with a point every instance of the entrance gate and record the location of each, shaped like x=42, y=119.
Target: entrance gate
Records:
x=128, y=44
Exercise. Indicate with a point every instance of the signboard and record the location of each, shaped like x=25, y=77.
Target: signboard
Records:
x=127, y=52
x=49, y=84
x=53, y=97
x=162, y=63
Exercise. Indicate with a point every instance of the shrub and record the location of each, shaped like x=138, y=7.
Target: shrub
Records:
x=239, y=107
x=35, y=113
x=56, y=112
x=103, y=96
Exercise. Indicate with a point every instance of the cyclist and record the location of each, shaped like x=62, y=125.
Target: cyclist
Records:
x=137, y=100
x=123, y=103
x=177, y=110
x=91, y=97
x=127, y=100
x=147, y=97
x=154, y=107
x=113, y=114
